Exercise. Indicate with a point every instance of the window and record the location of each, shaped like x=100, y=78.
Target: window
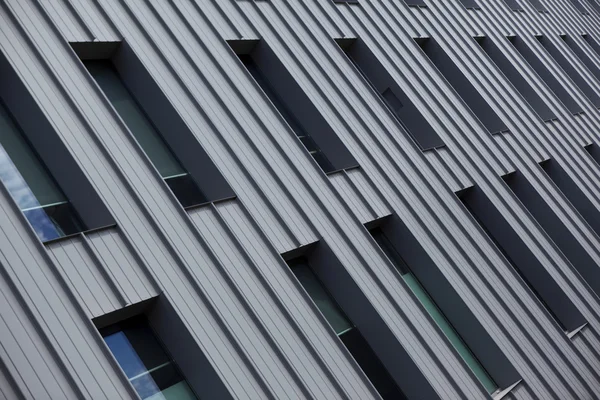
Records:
x=555, y=228
x=575, y=48
x=175, y=175
x=36, y=193
x=409, y=117
x=514, y=5
x=346, y=331
x=148, y=367
x=520, y=257
x=538, y=5
x=577, y=4
x=544, y=73
x=573, y=193
x=315, y=133
x=461, y=84
x=470, y=4
x=433, y=310
x=516, y=79
x=566, y=65
x=419, y=3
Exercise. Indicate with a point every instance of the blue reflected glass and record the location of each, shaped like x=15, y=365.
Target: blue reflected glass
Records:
x=125, y=355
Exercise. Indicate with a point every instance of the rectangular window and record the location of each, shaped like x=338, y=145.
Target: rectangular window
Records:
x=538, y=5
x=519, y=83
x=462, y=86
x=346, y=331
x=533, y=274
x=470, y=4
x=544, y=73
x=419, y=3
x=175, y=175
x=514, y=5
x=578, y=51
x=28, y=181
x=390, y=93
x=570, y=71
x=573, y=193
x=433, y=310
x=315, y=133
x=555, y=228
x=150, y=370
x=577, y=4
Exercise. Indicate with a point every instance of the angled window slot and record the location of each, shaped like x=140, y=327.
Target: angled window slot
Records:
x=566, y=66
x=514, y=5
x=156, y=125
x=444, y=305
x=544, y=73
x=470, y=4
x=360, y=328
x=462, y=85
x=317, y=136
x=38, y=170
x=158, y=355
x=516, y=79
x=531, y=271
x=556, y=230
x=388, y=90
x=578, y=51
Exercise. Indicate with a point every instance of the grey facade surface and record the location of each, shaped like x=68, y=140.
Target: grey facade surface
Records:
x=213, y=280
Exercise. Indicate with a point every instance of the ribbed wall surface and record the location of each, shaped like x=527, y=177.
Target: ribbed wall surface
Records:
x=219, y=265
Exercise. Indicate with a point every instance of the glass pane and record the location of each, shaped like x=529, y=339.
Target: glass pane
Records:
x=450, y=332
x=21, y=171
x=148, y=367
x=368, y=361
x=186, y=190
x=137, y=122
x=319, y=295
x=31, y=186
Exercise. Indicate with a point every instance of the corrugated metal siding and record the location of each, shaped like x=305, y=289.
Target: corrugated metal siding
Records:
x=219, y=265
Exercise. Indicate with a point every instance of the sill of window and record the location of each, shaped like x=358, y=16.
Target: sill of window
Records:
x=502, y=393
x=575, y=331
x=189, y=208
x=73, y=235
x=342, y=169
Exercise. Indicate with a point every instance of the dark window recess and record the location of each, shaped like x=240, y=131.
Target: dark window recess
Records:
x=513, y=5
x=537, y=4
x=516, y=79
x=149, y=369
x=595, y=4
x=522, y=259
x=346, y=331
x=595, y=47
x=462, y=86
x=573, y=193
x=578, y=51
x=391, y=94
x=434, y=311
x=570, y=71
x=35, y=191
x=150, y=116
x=470, y=4
x=346, y=1
x=556, y=230
x=419, y=3
x=577, y=4
x=151, y=141
x=548, y=77
x=294, y=105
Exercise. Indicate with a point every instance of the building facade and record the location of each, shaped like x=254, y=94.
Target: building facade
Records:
x=303, y=199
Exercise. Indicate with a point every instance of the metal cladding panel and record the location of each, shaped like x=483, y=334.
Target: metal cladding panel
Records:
x=219, y=265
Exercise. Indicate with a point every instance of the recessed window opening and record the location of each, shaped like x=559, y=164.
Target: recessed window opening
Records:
x=433, y=310
x=172, y=171
x=26, y=178
x=346, y=331
x=142, y=357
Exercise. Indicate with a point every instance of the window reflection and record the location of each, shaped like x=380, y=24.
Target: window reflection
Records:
x=33, y=189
